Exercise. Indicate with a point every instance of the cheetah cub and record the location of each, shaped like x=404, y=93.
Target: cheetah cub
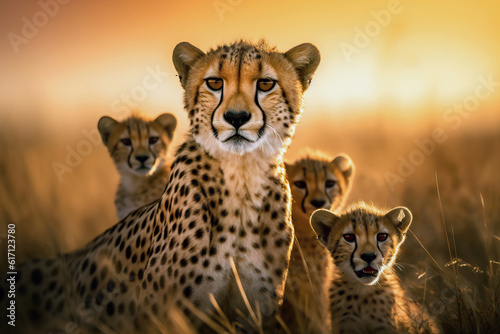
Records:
x=365, y=293
x=316, y=181
x=138, y=147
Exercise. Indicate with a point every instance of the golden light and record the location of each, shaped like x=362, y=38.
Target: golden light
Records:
x=410, y=90
x=422, y=54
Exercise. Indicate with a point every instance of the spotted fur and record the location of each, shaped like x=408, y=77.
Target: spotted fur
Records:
x=227, y=200
x=316, y=181
x=365, y=293
x=138, y=147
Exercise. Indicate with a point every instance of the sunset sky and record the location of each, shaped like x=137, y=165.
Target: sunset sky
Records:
x=80, y=61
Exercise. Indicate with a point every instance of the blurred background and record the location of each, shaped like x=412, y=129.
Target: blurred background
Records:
x=409, y=89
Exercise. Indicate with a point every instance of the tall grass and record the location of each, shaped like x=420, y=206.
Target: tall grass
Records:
x=450, y=260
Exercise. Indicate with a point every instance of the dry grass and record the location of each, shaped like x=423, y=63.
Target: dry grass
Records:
x=450, y=261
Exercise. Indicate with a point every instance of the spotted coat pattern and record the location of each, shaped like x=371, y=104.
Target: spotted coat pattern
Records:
x=316, y=181
x=138, y=147
x=365, y=293
x=227, y=201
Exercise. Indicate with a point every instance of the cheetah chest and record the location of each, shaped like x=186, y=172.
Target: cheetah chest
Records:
x=253, y=231
x=216, y=216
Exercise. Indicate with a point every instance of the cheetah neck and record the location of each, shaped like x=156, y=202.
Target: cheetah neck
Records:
x=301, y=224
x=249, y=174
x=130, y=183
x=386, y=281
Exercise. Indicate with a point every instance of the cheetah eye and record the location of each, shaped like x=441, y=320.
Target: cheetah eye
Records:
x=126, y=141
x=153, y=140
x=300, y=184
x=330, y=183
x=382, y=236
x=265, y=85
x=349, y=237
x=214, y=83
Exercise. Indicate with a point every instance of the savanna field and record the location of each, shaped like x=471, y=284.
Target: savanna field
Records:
x=409, y=90
x=450, y=260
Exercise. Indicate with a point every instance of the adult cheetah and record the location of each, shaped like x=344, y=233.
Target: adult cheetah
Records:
x=227, y=201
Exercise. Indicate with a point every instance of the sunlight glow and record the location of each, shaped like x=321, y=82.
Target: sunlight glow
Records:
x=409, y=64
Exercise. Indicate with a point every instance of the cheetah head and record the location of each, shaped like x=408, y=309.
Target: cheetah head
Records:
x=138, y=146
x=363, y=241
x=243, y=97
x=317, y=181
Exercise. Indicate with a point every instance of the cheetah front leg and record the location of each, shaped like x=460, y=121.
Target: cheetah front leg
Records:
x=269, y=262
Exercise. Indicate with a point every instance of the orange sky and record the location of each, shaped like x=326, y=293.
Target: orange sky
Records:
x=90, y=52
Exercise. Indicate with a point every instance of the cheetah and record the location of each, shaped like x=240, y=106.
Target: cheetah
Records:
x=365, y=293
x=138, y=147
x=222, y=225
x=316, y=181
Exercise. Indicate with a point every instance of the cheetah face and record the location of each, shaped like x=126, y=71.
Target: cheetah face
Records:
x=317, y=182
x=363, y=244
x=367, y=247
x=137, y=146
x=244, y=97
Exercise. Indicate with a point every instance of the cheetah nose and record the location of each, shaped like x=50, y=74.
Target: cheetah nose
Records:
x=236, y=118
x=368, y=257
x=318, y=203
x=141, y=158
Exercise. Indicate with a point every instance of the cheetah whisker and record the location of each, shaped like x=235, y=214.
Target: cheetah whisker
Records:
x=399, y=266
x=385, y=268
x=264, y=140
x=276, y=133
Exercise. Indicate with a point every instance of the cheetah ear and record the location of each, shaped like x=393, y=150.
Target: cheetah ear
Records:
x=168, y=122
x=401, y=217
x=322, y=222
x=346, y=166
x=105, y=126
x=305, y=58
x=184, y=56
